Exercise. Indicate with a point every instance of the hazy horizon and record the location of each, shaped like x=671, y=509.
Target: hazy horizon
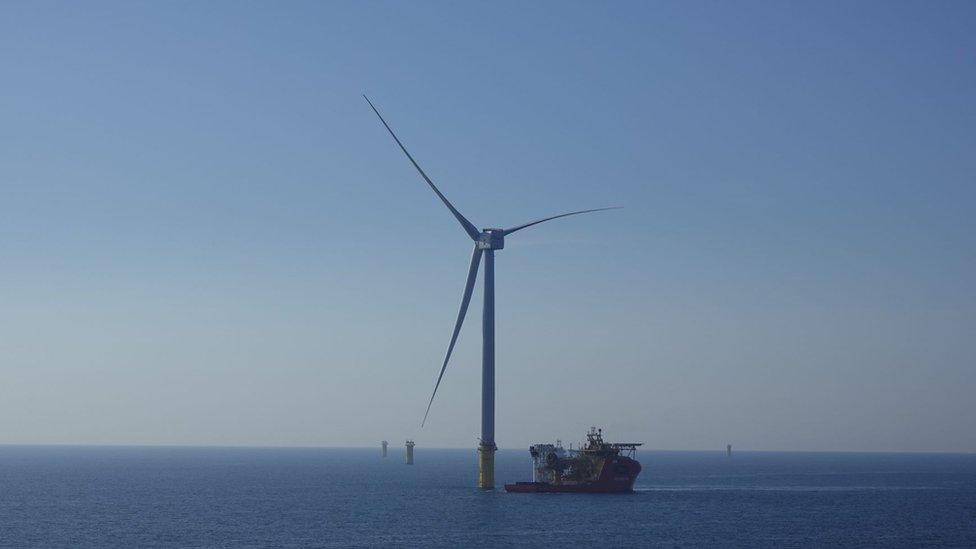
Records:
x=397, y=451
x=207, y=237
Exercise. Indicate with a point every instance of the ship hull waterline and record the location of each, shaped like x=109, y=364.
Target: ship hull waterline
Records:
x=618, y=477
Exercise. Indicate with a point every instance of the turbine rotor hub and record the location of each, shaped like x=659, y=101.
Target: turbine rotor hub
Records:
x=491, y=239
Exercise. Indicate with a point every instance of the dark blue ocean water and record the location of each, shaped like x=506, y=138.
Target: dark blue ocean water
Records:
x=205, y=497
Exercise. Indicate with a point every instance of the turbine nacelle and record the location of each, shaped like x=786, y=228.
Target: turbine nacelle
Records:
x=491, y=239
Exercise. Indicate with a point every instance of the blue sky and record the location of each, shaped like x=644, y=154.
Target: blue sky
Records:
x=208, y=238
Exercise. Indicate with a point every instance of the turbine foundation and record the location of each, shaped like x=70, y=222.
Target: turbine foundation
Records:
x=486, y=466
x=410, y=445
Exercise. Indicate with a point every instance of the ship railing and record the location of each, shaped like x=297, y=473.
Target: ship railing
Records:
x=628, y=449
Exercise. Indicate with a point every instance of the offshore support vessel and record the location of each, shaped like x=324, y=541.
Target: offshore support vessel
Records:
x=596, y=467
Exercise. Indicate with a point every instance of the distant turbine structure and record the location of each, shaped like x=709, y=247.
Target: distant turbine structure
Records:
x=486, y=241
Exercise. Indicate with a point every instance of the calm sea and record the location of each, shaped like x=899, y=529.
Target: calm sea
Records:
x=239, y=497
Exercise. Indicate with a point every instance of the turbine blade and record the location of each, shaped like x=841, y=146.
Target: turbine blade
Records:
x=465, y=299
x=467, y=225
x=537, y=221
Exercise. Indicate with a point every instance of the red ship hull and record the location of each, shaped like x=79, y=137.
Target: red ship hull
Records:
x=618, y=476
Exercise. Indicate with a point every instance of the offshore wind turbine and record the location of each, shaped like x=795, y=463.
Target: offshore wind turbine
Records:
x=486, y=241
